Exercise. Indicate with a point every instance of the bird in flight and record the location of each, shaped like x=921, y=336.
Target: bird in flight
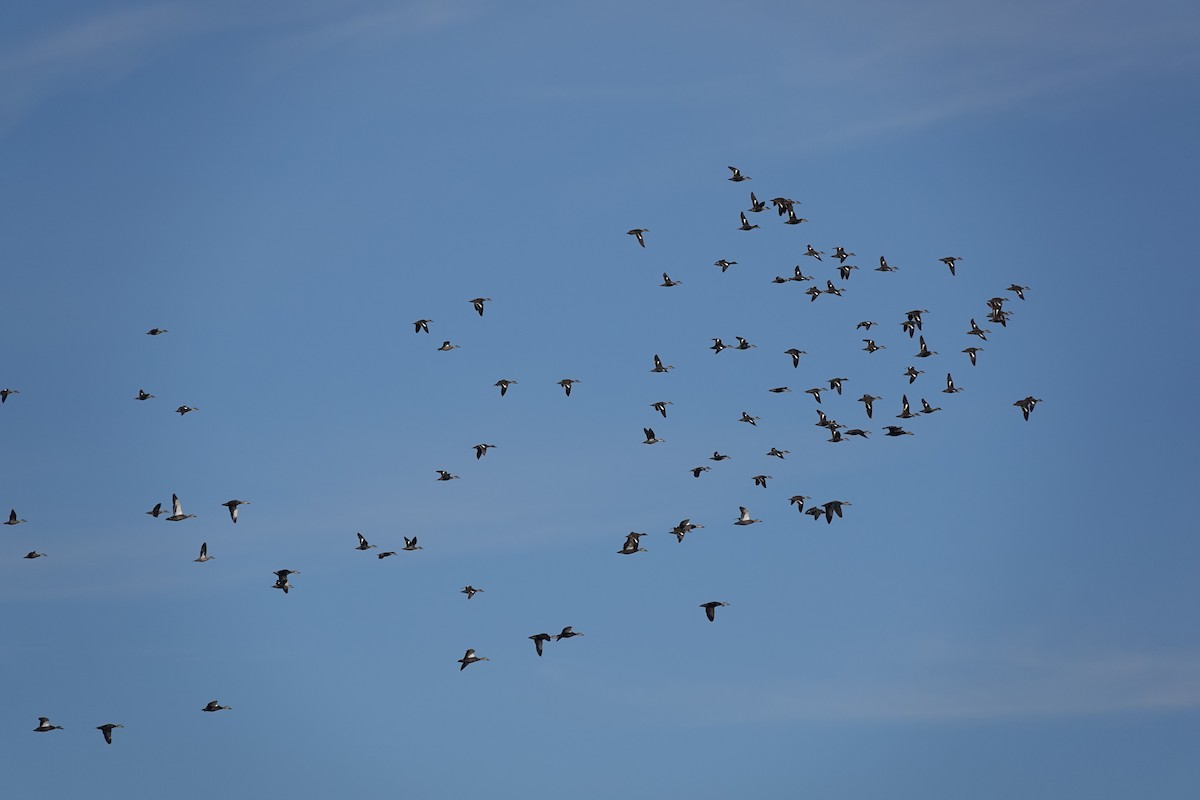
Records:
x=156, y=331
x=107, y=730
x=144, y=395
x=12, y=518
x=540, y=639
x=213, y=705
x=177, y=514
x=469, y=659
x=637, y=232
x=737, y=176
x=478, y=303
x=204, y=556
x=710, y=609
x=363, y=544
x=566, y=384
x=44, y=725
x=232, y=505
x=421, y=325
x=470, y=591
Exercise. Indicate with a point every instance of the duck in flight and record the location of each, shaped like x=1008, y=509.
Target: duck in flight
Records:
x=204, y=556
x=744, y=517
x=481, y=450
x=637, y=232
x=12, y=518
x=144, y=395
x=107, y=730
x=470, y=591
x=213, y=705
x=232, y=505
x=659, y=367
x=710, y=609
x=540, y=639
x=478, y=302
x=421, y=325
x=469, y=659
x=737, y=176
x=363, y=544
x=177, y=514
x=44, y=725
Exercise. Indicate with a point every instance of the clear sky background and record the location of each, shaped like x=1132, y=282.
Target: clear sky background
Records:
x=1007, y=609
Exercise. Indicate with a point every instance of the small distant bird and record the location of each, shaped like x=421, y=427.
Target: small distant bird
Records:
x=746, y=226
x=872, y=347
x=469, y=659
x=747, y=418
x=810, y=251
x=950, y=387
x=858, y=432
x=725, y=264
x=950, y=261
x=756, y=205
x=833, y=507
x=813, y=293
x=650, y=437
x=719, y=456
x=909, y=327
x=782, y=204
x=737, y=176
x=567, y=633
x=658, y=365
x=1027, y=404
x=213, y=705
x=684, y=527
x=925, y=352
x=718, y=345
x=144, y=395
x=443, y=475
x=446, y=346
x=774, y=451
x=421, y=325
x=481, y=450
x=12, y=518
x=710, y=609
x=504, y=383
x=155, y=512
x=841, y=255
x=884, y=266
x=915, y=316
x=1019, y=291
x=107, y=730
x=44, y=725
x=798, y=275
x=795, y=354
x=470, y=591
x=926, y=408
x=177, y=514
x=792, y=218
x=815, y=392
x=4, y=393
x=833, y=290
x=35, y=554
x=972, y=352
x=385, y=554
x=836, y=384
x=539, y=639
x=204, y=556
x=779, y=390
x=905, y=413
x=363, y=544
x=478, y=302
x=668, y=282
x=798, y=501
x=185, y=409
x=761, y=480
x=977, y=331
x=661, y=407
x=156, y=331
x=637, y=233
x=896, y=430
x=744, y=517
x=411, y=544
x=281, y=579
x=232, y=505
x=743, y=344
x=844, y=271
x=632, y=544
x=912, y=373
x=697, y=470
x=868, y=400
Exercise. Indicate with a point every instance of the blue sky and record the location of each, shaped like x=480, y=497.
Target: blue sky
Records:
x=1007, y=607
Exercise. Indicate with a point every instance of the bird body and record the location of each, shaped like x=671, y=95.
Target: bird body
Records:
x=232, y=505
x=107, y=730
x=710, y=609
x=177, y=514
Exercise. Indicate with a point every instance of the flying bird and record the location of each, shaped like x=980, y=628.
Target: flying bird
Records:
x=661, y=407
x=144, y=395
x=504, y=383
x=44, y=725
x=650, y=437
x=539, y=639
x=12, y=518
x=950, y=387
x=710, y=609
x=177, y=514
x=737, y=176
x=744, y=517
x=725, y=264
x=668, y=282
x=156, y=331
x=411, y=544
x=567, y=633
x=469, y=659
x=470, y=591
x=446, y=346
x=478, y=303
x=232, y=505
x=421, y=325
x=972, y=352
x=443, y=475
x=185, y=410
x=213, y=705
x=746, y=226
x=481, y=450
x=637, y=232
x=363, y=544
x=950, y=261
x=107, y=730
x=204, y=556
x=795, y=354
x=658, y=365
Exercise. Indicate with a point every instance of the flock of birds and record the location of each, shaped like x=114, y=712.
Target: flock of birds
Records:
x=911, y=325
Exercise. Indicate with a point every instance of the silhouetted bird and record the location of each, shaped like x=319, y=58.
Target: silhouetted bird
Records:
x=710, y=609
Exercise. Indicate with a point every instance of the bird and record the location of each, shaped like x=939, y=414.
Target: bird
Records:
x=4, y=393
x=833, y=290
x=719, y=456
x=905, y=413
x=44, y=725
x=950, y=387
x=816, y=512
x=478, y=303
x=363, y=544
x=746, y=226
x=884, y=266
x=834, y=507
x=926, y=408
x=782, y=204
x=697, y=470
x=925, y=352
x=912, y=373
x=567, y=633
x=836, y=384
x=1018, y=290
x=204, y=556
x=756, y=205
x=798, y=501
x=155, y=512
x=684, y=527
x=213, y=705
x=446, y=346
x=232, y=505
x=977, y=331
x=844, y=271
x=1027, y=404
x=795, y=354
x=859, y=432
x=107, y=730
x=798, y=274
x=177, y=514
x=972, y=352
x=761, y=480
x=539, y=639
x=470, y=591
x=792, y=218
x=281, y=579
x=658, y=365
x=650, y=437
x=896, y=430
x=385, y=554
x=950, y=261
x=744, y=517
x=504, y=383
x=774, y=451
x=737, y=176
x=909, y=327
x=144, y=395
x=717, y=346
x=710, y=609
x=815, y=392
x=481, y=450
x=872, y=347
x=185, y=410
x=747, y=418
x=637, y=233
x=632, y=544
x=813, y=293
x=915, y=317
x=743, y=344
x=469, y=659
x=723, y=263
x=668, y=282
x=421, y=325
x=35, y=554
x=661, y=407
x=443, y=475
x=156, y=331
x=814, y=253
x=868, y=400
x=12, y=518
x=411, y=544
x=841, y=255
